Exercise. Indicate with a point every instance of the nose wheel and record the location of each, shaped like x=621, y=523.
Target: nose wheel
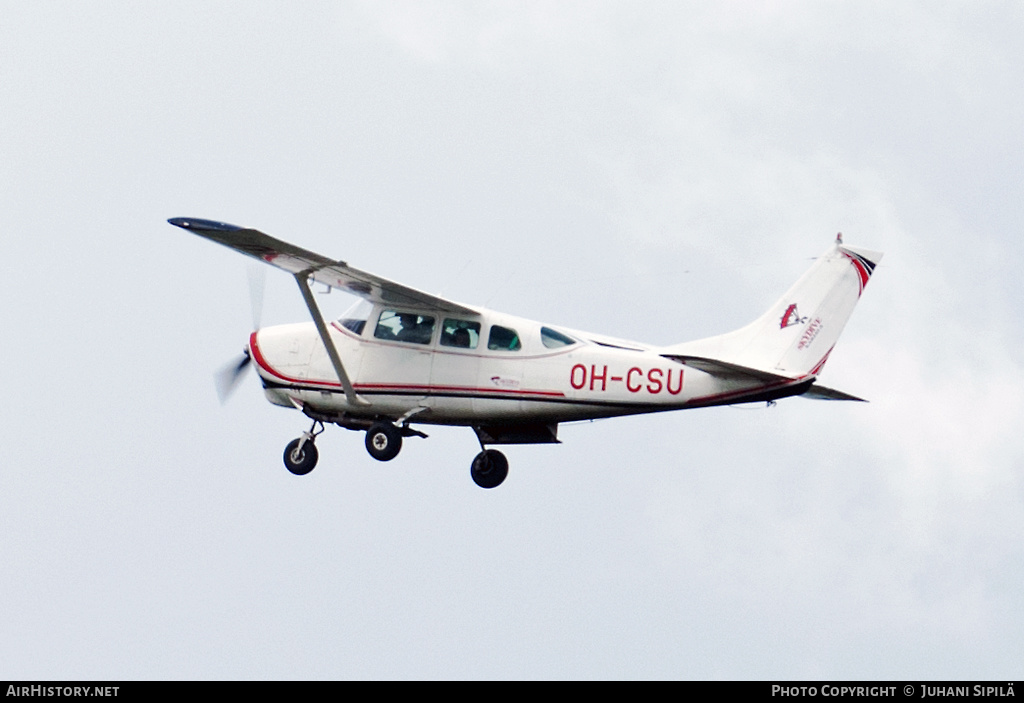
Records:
x=489, y=468
x=300, y=456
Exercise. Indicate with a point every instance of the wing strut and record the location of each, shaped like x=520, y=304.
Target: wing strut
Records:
x=321, y=327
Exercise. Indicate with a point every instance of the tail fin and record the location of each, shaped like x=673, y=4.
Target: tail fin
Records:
x=795, y=336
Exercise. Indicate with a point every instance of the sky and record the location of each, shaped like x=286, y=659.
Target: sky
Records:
x=659, y=171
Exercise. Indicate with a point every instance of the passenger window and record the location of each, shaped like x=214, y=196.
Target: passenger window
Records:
x=460, y=333
x=553, y=339
x=404, y=327
x=503, y=339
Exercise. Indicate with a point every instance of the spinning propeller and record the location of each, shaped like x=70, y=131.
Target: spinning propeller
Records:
x=228, y=377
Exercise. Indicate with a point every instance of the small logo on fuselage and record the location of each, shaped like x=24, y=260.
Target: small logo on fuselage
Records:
x=502, y=382
x=791, y=317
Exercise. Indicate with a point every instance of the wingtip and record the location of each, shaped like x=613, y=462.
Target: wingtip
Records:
x=197, y=224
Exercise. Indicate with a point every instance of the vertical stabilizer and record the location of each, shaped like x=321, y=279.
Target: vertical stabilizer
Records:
x=795, y=336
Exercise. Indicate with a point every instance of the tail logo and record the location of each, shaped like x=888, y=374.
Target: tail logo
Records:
x=791, y=317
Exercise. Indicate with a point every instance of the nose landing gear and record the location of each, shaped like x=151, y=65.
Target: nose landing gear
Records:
x=300, y=456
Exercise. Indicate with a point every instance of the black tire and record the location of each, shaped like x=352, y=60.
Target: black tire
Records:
x=302, y=463
x=489, y=468
x=383, y=441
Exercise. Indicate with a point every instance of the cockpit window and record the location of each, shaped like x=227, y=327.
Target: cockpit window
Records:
x=404, y=327
x=356, y=316
x=554, y=339
x=503, y=339
x=460, y=333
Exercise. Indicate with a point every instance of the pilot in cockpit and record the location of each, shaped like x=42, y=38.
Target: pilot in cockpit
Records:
x=414, y=328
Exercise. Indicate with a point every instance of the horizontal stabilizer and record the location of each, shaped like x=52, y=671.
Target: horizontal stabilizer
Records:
x=725, y=371
x=817, y=392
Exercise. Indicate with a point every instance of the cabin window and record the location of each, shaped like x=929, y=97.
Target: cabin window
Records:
x=461, y=334
x=553, y=339
x=404, y=327
x=356, y=316
x=503, y=339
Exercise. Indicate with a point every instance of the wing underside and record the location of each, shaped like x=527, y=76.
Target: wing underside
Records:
x=331, y=272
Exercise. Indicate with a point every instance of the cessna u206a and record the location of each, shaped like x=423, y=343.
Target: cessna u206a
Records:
x=402, y=357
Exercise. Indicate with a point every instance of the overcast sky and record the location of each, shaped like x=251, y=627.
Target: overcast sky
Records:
x=655, y=171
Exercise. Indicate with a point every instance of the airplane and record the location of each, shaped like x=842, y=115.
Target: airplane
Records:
x=402, y=357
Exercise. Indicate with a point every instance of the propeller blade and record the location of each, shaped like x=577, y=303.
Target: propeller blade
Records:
x=229, y=376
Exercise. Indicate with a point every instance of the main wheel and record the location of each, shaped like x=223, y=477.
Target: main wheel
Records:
x=489, y=469
x=383, y=441
x=301, y=462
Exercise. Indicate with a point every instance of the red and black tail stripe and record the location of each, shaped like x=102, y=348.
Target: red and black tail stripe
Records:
x=864, y=266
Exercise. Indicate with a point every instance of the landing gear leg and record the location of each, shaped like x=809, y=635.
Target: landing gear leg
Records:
x=300, y=456
x=489, y=468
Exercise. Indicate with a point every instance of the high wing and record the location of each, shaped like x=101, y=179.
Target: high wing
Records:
x=298, y=261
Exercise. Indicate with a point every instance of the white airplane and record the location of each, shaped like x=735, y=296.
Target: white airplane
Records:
x=401, y=357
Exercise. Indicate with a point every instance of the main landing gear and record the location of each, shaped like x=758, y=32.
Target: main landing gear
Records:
x=489, y=468
x=383, y=441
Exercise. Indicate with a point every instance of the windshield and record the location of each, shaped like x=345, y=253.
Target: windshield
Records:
x=356, y=316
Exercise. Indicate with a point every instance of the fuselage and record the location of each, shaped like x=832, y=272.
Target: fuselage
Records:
x=474, y=370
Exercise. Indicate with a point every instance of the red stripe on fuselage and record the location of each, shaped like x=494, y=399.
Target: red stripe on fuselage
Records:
x=262, y=362
x=405, y=388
